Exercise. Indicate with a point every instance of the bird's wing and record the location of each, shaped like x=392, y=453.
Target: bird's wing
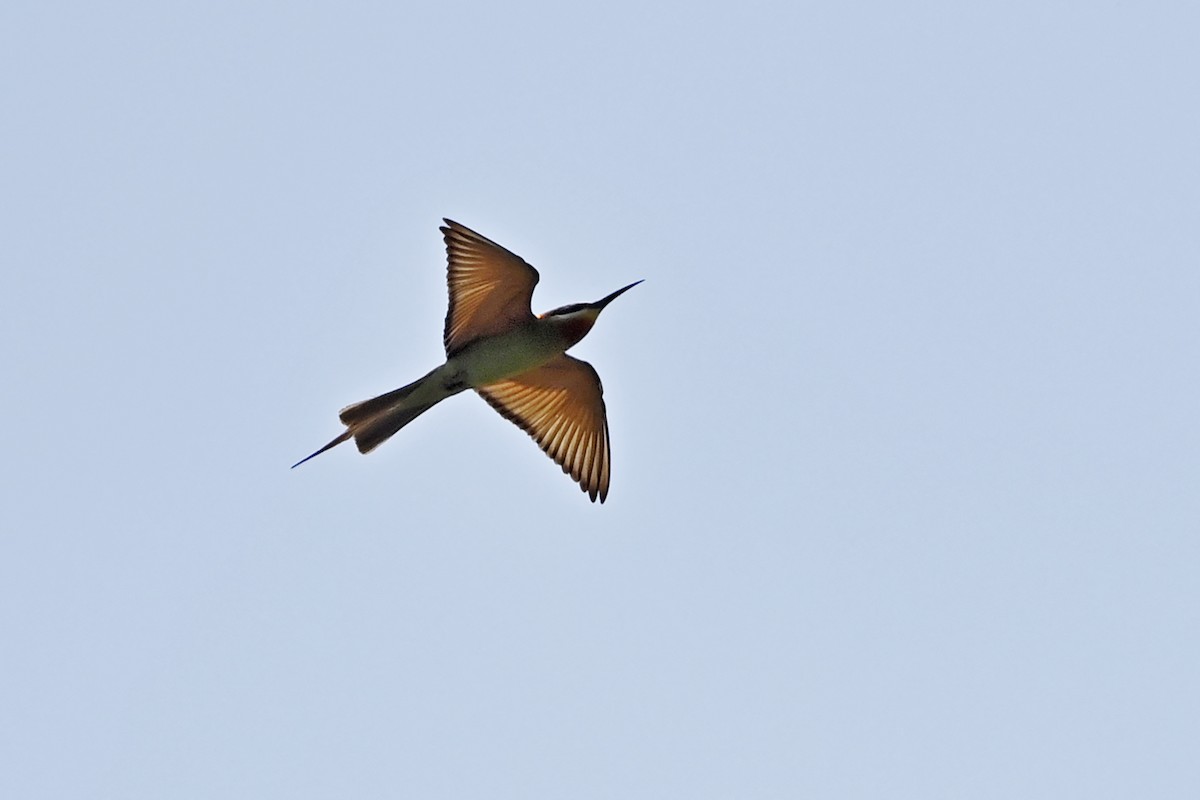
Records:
x=490, y=288
x=561, y=405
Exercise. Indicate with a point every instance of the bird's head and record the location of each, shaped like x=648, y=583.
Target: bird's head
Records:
x=577, y=319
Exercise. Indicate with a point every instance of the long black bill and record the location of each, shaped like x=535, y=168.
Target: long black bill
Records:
x=602, y=303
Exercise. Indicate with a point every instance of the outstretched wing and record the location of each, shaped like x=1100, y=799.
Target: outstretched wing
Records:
x=490, y=288
x=561, y=405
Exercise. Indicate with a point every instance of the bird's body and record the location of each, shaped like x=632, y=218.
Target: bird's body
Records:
x=506, y=354
x=517, y=362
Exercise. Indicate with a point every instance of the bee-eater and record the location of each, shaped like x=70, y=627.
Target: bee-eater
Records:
x=515, y=361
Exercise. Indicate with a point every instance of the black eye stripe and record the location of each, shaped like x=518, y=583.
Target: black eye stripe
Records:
x=568, y=309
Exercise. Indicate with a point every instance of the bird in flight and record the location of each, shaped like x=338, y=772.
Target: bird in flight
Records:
x=516, y=361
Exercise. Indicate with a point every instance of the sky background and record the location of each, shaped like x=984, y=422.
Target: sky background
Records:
x=904, y=417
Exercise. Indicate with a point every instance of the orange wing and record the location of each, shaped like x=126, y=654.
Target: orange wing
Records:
x=561, y=405
x=490, y=288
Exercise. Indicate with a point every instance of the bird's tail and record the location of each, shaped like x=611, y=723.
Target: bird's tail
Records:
x=372, y=422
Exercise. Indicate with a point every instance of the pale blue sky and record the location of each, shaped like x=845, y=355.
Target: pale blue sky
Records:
x=904, y=417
